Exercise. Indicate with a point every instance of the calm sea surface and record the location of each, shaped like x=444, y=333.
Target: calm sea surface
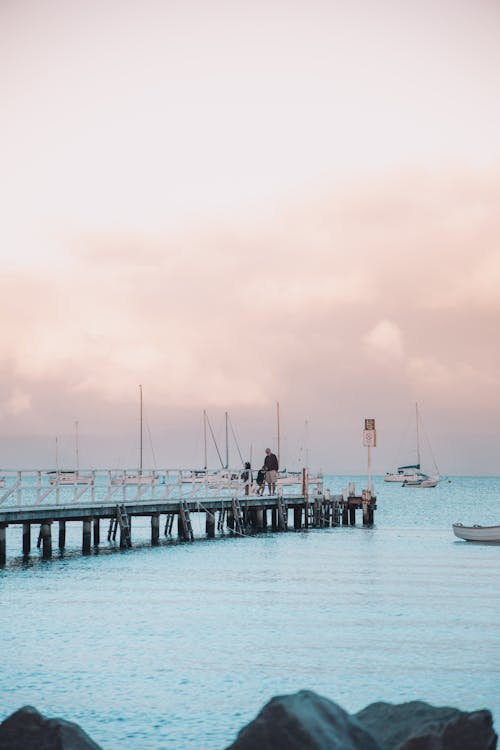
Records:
x=179, y=646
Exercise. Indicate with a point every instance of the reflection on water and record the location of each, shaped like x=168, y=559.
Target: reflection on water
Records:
x=180, y=645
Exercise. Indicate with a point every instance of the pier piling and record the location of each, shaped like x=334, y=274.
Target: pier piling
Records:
x=274, y=519
x=210, y=523
x=297, y=518
x=96, y=527
x=259, y=520
x=155, y=529
x=46, y=539
x=3, y=545
x=62, y=535
x=26, y=538
x=86, y=537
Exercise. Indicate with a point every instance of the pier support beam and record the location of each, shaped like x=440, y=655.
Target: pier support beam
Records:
x=62, y=535
x=155, y=529
x=274, y=519
x=181, y=529
x=126, y=541
x=169, y=522
x=3, y=545
x=86, y=540
x=46, y=534
x=345, y=515
x=26, y=538
x=259, y=519
x=210, y=523
x=297, y=518
x=96, y=530
x=352, y=515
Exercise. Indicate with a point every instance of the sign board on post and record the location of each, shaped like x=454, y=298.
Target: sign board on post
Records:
x=369, y=438
x=369, y=434
x=369, y=441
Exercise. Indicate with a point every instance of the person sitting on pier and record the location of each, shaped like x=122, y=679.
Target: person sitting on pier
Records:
x=271, y=468
x=261, y=478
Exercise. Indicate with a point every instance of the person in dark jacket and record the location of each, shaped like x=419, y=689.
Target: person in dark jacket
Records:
x=247, y=477
x=261, y=479
x=271, y=468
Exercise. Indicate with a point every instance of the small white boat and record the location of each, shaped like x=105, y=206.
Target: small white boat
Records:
x=138, y=479
x=68, y=477
x=195, y=476
x=423, y=480
x=477, y=533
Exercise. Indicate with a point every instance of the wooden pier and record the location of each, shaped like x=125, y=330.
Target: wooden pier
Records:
x=169, y=499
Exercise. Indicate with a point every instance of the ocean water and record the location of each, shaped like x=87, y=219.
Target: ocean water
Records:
x=181, y=645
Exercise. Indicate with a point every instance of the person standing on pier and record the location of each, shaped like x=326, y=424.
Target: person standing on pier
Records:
x=271, y=469
x=246, y=477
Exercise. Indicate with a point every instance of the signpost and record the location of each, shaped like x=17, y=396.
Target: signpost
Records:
x=369, y=441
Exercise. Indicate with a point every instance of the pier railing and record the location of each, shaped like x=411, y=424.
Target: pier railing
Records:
x=28, y=488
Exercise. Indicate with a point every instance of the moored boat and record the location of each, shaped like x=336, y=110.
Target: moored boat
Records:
x=477, y=533
x=138, y=478
x=423, y=480
x=68, y=477
x=412, y=475
x=403, y=474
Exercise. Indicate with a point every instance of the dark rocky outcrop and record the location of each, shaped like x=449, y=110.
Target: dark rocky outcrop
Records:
x=304, y=721
x=27, y=729
x=420, y=726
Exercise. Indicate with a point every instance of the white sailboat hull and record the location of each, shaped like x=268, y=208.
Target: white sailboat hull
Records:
x=71, y=480
x=477, y=533
x=400, y=477
x=422, y=482
x=136, y=480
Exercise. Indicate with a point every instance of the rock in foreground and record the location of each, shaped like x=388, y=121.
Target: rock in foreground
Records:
x=420, y=726
x=27, y=729
x=304, y=721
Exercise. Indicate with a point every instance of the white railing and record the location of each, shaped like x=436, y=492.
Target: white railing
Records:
x=28, y=488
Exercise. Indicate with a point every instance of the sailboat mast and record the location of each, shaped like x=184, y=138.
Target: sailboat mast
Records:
x=278, y=428
x=418, y=435
x=76, y=447
x=205, y=438
x=227, y=443
x=140, y=429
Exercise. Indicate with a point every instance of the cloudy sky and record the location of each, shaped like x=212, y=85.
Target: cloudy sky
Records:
x=239, y=203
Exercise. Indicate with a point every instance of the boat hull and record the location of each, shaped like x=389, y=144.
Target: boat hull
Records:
x=420, y=482
x=477, y=533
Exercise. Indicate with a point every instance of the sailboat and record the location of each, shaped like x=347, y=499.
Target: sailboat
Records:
x=225, y=477
x=288, y=477
x=200, y=476
x=138, y=478
x=69, y=476
x=412, y=474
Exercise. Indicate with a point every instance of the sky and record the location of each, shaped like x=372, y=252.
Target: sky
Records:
x=236, y=204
